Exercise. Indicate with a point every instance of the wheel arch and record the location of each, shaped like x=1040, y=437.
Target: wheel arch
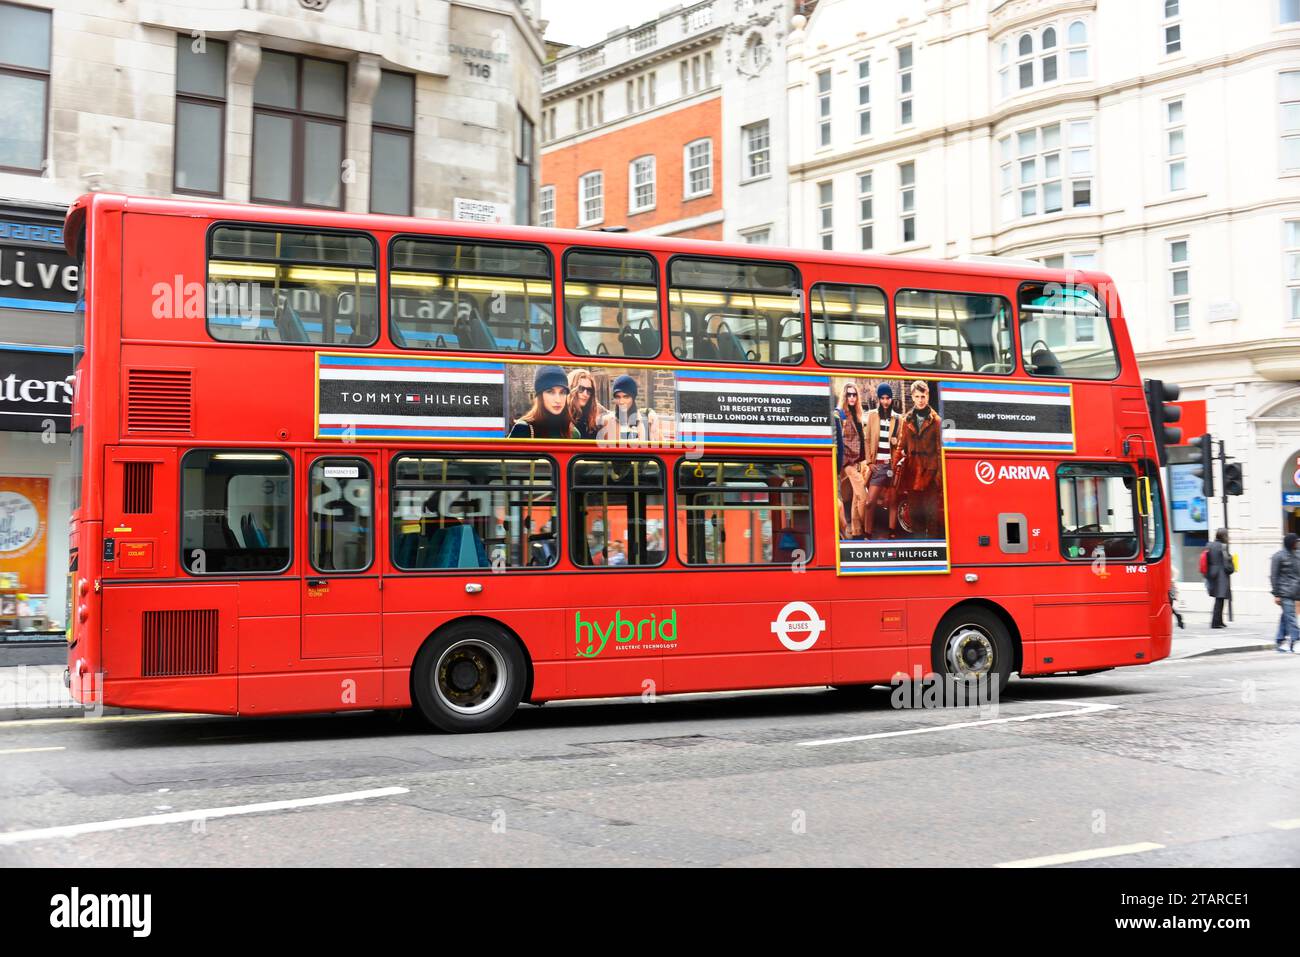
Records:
x=478, y=619
x=1017, y=641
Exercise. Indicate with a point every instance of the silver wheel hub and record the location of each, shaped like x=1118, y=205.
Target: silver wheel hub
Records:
x=470, y=677
x=969, y=652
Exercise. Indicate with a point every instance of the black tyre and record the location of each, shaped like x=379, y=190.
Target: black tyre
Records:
x=972, y=644
x=470, y=677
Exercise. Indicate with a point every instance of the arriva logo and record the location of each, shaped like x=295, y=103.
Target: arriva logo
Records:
x=987, y=473
x=591, y=638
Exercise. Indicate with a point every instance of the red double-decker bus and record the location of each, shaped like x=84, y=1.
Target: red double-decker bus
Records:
x=330, y=461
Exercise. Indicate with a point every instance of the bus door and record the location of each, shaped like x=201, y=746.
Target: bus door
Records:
x=341, y=597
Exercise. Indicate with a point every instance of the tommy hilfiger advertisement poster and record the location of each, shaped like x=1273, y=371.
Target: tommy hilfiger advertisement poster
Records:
x=425, y=397
x=891, y=512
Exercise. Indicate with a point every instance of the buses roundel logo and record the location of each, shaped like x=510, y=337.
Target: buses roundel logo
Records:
x=798, y=626
x=985, y=472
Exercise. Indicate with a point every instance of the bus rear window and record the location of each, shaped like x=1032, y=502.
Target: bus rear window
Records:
x=236, y=512
x=1064, y=332
x=279, y=285
x=472, y=297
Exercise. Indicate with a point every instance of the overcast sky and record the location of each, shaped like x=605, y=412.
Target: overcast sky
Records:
x=583, y=22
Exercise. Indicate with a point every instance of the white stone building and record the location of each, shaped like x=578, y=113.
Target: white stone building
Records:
x=395, y=106
x=1157, y=140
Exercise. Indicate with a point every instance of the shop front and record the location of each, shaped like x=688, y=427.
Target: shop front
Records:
x=38, y=296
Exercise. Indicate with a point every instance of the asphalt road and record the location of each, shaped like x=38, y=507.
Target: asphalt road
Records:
x=1180, y=763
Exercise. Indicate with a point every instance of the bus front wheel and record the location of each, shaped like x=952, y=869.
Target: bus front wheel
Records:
x=972, y=645
x=469, y=677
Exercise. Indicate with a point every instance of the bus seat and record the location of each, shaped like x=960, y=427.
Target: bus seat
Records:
x=729, y=347
x=254, y=537
x=407, y=549
x=289, y=324
x=395, y=333
x=460, y=547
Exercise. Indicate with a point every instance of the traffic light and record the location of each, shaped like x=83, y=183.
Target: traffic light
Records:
x=1163, y=415
x=1232, y=484
x=1205, y=469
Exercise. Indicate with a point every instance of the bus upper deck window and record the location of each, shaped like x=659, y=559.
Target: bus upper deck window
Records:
x=727, y=311
x=267, y=284
x=611, y=304
x=1065, y=332
x=850, y=326
x=469, y=296
x=954, y=332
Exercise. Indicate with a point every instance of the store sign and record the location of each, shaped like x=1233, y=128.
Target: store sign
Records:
x=35, y=389
x=35, y=271
x=1188, y=508
x=1291, y=499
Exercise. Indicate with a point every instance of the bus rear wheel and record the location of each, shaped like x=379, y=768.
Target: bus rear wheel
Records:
x=971, y=647
x=470, y=677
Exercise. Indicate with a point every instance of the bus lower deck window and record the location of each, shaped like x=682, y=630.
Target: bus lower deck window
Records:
x=236, y=512
x=740, y=511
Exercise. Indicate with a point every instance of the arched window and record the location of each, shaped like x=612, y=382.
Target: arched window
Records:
x=1025, y=61
x=1047, y=69
x=1078, y=52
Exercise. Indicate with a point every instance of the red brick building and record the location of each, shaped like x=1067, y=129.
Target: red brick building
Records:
x=631, y=130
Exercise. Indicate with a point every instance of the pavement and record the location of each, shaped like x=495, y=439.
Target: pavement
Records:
x=31, y=678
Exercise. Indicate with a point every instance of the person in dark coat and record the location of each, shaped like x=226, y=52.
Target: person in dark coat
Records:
x=1284, y=583
x=1218, y=570
x=920, y=449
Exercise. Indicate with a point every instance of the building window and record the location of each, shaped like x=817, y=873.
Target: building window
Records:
x=591, y=196
x=1175, y=146
x=699, y=168
x=24, y=87
x=524, y=143
x=1173, y=27
x=864, y=96
x=1047, y=59
x=1004, y=69
x=392, y=144
x=866, y=212
x=1290, y=120
x=1288, y=11
x=907, y=200
x=758, y=237
x=826, y=214
x=758, y=154
x=548, y=125
x=299, y=117
x=905, y=85
x=1077, y=50
x=1037, y=169
x=1292, y=256
x=546, y=206
x=1025, y=61
x=824, y=108
x=641, y=185
x=1180, y=296
x=200, y=116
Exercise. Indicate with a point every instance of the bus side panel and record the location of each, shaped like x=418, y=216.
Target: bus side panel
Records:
x=869, y=639
x=924, y=615
x=313, y=691
x=1102, y=632
x=171, y=647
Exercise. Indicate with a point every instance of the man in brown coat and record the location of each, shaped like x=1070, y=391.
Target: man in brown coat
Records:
x=920, y=450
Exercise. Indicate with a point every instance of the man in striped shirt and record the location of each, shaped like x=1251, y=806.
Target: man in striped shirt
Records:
x=882, y=429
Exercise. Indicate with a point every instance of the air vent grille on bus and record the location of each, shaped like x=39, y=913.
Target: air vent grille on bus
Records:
x=179, y=643
x=158, y=400
x=137, y=488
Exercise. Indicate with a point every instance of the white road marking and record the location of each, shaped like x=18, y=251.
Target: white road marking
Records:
x=75, y=830
x=29, y=750
x=1085, y=709
x=1090, y=855
x=1290, y=825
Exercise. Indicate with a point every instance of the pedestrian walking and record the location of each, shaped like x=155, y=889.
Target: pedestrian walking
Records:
x=1218, y=571
x=1284, y=582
